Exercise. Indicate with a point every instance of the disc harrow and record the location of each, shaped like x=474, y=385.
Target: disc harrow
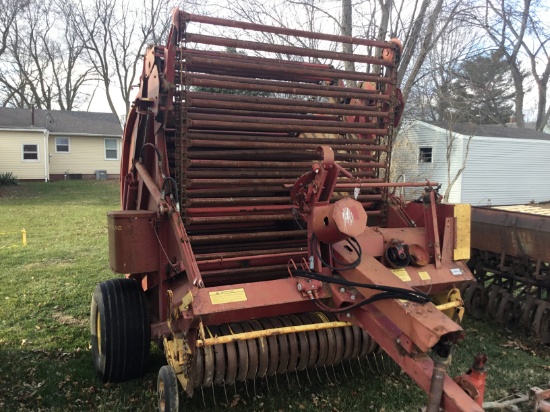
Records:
x=510, y=262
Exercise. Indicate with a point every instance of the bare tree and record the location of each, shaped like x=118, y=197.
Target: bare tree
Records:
x=115, y=33
x=451, y=147
x=539, y=56
x=43, y=64
x=10, y=10
x=507, y=29
x=437, y=26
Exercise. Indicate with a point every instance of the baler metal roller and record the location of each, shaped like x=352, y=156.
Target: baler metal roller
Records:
x=257, y=348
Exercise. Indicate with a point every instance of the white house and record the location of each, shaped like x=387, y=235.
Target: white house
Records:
x=54, y=144
x=502, y=165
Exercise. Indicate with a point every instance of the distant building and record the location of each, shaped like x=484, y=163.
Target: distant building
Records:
x=38, y=144
x=504, y=165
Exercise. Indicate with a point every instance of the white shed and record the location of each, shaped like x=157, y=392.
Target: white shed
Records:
x=502, y=165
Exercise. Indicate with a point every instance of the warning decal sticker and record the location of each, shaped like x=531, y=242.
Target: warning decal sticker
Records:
x=227, y=296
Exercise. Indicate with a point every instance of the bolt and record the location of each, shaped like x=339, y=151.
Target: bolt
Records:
x=352, y=297
x=342, y=290
x=348, y=315
x=299, y=286
x=312, y=286
x=398, y=340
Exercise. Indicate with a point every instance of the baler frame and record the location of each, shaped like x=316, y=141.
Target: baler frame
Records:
x=210, y=238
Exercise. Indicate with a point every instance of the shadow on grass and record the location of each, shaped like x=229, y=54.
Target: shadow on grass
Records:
x=83, y=192
x=42, y=380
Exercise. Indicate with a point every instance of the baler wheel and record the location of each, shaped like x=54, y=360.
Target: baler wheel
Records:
x=167, y=390
x=120, y=332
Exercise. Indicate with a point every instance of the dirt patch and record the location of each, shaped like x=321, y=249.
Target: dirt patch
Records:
x=68, y=319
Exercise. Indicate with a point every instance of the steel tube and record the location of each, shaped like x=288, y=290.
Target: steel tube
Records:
x=289, y=173
x=436, y=386
x=299, y=145
x=236, y=182
x=233, y=191
x=286, y=31
x=267, y=155
x=292, y=50
x=190, y=183
x=281, y=103
x=275, y=108
x=237, y=124
x=224, y=255
x=244, y=74
x=251, y=247
x=449, y=305
x=407, y=184
x=208, y=111
x=243, y=57
x=240, y=218
x=237, y=200
x=268, y=122
x=230, y=273
x=305, y=165
x=260, y=68
x=240, y=237
x=238, y=83
x=149, y=182
x=237, y=209
x=259, y=155
x=223, y=173
x=269, y=332
x=283, y=139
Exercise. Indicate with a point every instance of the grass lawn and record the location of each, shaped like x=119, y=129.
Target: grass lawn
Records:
x=45, y=360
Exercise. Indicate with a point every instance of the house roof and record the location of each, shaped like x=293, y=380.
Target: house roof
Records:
x=492, y=130
x=60, y=121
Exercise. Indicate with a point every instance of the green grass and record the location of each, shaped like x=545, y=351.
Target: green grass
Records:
x=45, y=360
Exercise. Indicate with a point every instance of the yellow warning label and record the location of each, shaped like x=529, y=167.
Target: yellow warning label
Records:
x=424, y=275
x=402, y=274
x=227, y=296
x=462, y=214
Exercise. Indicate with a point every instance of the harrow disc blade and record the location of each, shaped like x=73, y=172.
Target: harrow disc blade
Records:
x=475, y=300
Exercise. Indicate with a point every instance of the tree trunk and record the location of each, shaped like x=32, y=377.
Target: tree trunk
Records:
x=346, y=26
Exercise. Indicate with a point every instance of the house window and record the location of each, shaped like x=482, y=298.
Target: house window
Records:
x=425, y=155
x=111, y=149
x=62, y=145
x=30, y=152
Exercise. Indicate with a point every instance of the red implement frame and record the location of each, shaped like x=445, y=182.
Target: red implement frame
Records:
x=205, y=191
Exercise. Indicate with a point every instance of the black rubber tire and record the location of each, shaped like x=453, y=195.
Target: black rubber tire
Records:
x=167, y=390
x=120, y=330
